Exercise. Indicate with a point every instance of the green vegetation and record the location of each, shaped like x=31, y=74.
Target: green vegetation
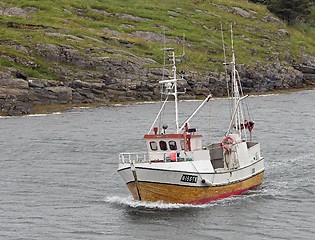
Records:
x=136, y=27
x=300, y=13
x=291, y=10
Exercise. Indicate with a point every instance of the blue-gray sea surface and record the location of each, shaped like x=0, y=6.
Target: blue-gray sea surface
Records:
x=59, y=180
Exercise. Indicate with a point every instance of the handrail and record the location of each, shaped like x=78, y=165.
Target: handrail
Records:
x=143, y=157
x=133, y=157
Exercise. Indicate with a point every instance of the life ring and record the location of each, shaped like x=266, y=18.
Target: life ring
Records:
x=225, y=143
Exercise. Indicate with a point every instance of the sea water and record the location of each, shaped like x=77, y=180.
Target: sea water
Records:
x=59, y=180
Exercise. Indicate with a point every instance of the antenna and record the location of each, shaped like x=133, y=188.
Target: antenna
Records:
x=164, y=55
x=225, y=67
x=223, y=46
x=169, y=86
x=183, y=54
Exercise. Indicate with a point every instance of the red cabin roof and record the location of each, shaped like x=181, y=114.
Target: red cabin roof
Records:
x=171, y=136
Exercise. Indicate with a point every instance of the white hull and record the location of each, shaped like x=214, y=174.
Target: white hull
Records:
x=188, y=182
x=171, y=173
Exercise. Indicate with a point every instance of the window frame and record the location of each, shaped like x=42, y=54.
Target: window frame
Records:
x=164, y=147
x=151, y=146
x=172, y=145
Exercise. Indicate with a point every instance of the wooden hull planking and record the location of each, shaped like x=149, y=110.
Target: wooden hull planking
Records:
x=170, y=193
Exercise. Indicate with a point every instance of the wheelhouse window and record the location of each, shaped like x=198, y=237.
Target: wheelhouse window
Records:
x=163, y=145
x=172, y=145
x=153, y=146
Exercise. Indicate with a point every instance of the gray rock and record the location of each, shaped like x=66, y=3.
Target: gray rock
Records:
x=272, y=20
x=148, y=36
x=130, y=17
x=13, y=83
x=283, y=33
x=19, y=108
x=80, y=84
x=14, y=12
x=241, y=12
x=35, y=83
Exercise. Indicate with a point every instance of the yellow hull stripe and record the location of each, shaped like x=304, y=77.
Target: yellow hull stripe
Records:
x=170, y=193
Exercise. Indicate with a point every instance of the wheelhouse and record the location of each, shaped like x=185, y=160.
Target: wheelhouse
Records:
x=172, y=147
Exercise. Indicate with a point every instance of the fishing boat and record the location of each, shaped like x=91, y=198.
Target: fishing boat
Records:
x=178, y=168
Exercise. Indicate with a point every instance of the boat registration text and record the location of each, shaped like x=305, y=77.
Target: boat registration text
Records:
x=189, y=178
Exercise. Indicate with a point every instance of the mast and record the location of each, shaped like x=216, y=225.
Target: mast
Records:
x=225, y=66
x=169, y=87
x=235, y=91
x=175, y=94
x=237, y=117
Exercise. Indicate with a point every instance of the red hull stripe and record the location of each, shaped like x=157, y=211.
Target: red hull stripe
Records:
x=226, y=195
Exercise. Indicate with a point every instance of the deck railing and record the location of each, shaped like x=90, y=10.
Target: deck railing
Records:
x=144, y=157
x=133, y=157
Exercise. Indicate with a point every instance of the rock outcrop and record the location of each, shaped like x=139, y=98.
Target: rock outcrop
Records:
x=124, y=81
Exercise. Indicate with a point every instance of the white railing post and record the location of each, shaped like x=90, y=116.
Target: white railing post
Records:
x=133, y=157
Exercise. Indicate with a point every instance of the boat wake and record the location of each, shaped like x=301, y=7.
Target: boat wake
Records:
x=131, y=203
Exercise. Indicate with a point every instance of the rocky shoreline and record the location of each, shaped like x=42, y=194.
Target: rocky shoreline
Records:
x=129, y=82
x=106, y=71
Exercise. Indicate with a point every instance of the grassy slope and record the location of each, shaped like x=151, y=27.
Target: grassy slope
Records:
x=91, y=21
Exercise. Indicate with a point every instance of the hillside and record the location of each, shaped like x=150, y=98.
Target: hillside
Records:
x=69, y=52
